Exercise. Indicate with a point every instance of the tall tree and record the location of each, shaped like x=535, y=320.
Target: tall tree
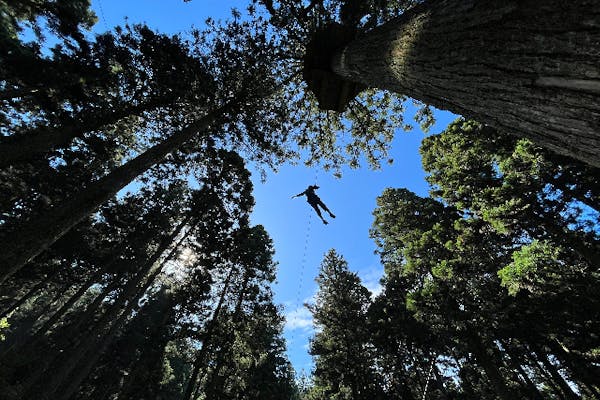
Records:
x=508, y=64
x=236, y=103
x=504, y=243
x=344, y=366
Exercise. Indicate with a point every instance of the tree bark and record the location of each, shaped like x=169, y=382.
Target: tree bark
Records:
x=525, y=67
x=34, y=289
x=557, y=377
x=200, y=358
x=37, y=234
x=25, y=146
x=491, y=369
x=131, y=294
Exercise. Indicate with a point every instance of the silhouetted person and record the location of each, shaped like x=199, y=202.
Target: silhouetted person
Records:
x=315, y=201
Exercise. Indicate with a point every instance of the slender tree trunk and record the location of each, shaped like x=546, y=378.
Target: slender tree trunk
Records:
x=440, y=383
x=74, y=330
x=418, y=372
x=214, y=380
x=34, y=289
x=149, y=364
x=490, y=368
x=207, y=337
x=33, y=336
x=64, y=308
x=525, y=67
x=65, y=362
x=465, y=384
x=215, y=376
x=533, y=361
x=584, y=372
x=97, y=343
x=95, y=350
x=516, y=366
x=557, y=377
x=25, y=146
x=21, y=335
x=37, y=234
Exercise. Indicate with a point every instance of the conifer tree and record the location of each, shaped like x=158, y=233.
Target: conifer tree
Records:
x=343, y=352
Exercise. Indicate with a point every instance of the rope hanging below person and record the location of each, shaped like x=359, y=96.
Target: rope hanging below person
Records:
x=315, y=201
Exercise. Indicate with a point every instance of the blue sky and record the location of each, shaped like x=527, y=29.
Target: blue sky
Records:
x=300, y=238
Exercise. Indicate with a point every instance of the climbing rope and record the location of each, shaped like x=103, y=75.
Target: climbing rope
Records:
x=102, y=14
x=428, y=378
x=304, y=257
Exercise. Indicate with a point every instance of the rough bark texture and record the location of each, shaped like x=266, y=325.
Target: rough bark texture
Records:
x=527, y=67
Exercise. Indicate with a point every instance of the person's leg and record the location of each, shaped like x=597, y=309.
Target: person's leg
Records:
x=314, y=205
x=325, y=208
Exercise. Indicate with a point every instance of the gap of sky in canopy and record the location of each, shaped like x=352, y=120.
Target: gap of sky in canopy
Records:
x=299, y=237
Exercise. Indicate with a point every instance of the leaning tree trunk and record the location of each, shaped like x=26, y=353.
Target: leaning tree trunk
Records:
x=131, y=295
x=199, y=361
x=36, y=235
x=527, y=67
x=24, y=147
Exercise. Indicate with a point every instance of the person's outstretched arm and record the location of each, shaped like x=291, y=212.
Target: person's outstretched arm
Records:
x=299, y=194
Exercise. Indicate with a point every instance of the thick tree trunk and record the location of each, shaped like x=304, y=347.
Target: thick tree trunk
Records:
x=527, y=67
x=41, y=140
x=36, y=235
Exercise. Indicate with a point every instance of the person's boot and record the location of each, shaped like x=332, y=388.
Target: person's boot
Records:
x=325, y=222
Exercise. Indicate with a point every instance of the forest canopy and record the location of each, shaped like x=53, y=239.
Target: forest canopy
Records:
x=129, y=264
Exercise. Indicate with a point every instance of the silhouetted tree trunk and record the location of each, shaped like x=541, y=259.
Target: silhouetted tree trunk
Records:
x=34, y=289
x=199, y=361
x=440, y=383
x=516, y=366
x=65, y=307
x=215, y=379
x=525, y=67
x=36, y=235
x=490, y=368
x=44, y=139
x=145, y=372
x=97, y=348
x=557, y=377
x=65, y=363
x=584, y=372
